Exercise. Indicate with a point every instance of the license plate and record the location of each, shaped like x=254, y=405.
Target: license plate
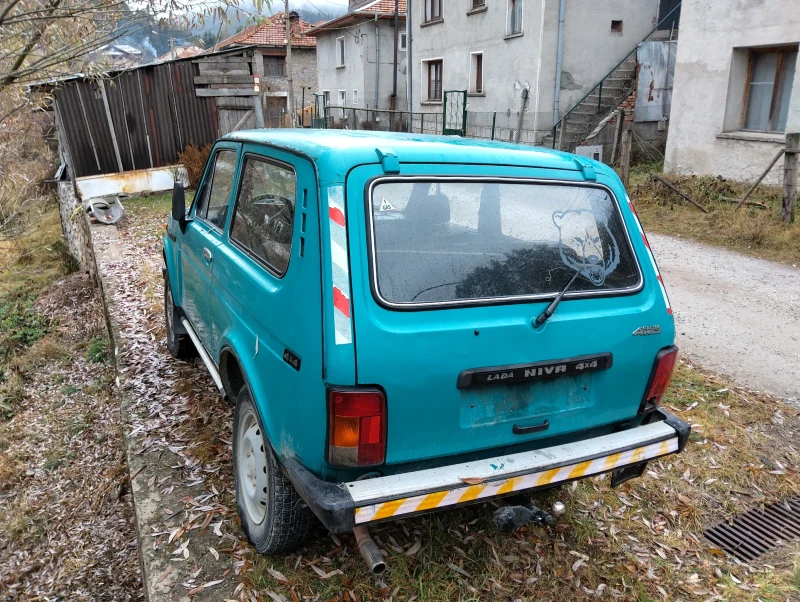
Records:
x=518, y=373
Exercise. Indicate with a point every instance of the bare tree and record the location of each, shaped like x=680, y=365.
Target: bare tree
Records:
x=42, y=40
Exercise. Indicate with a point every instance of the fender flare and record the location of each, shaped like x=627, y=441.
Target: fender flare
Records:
x=251, y=376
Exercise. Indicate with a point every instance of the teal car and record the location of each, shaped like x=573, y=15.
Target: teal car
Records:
x=408, y=323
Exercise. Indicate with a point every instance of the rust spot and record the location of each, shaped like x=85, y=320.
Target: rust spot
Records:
x=651, y=87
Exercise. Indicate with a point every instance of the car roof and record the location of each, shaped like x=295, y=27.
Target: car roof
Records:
x=347, y=148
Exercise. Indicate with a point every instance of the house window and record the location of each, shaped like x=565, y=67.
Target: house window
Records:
x=433, y=10
x=514, y=17
x=274, y=66
x=478, y=3
x=434, y=80
x=403, y=40
x=342, y=98
x=340, y=52
x=616, y=26
x=326, y=97
x=476, y=73
x=355, y=96
x=769, y=87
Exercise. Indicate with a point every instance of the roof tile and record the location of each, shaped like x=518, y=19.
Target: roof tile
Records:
x=273, y=33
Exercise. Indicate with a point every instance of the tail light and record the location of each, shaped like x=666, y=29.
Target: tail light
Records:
x=356, y=427
x=659, y=378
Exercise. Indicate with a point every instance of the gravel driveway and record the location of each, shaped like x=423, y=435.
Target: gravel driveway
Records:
x=735, y=314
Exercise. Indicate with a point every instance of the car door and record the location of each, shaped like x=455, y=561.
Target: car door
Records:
x=203, y=236
x=266, y=301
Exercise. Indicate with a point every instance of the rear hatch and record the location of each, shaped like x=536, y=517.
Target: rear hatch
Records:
x=450, y=274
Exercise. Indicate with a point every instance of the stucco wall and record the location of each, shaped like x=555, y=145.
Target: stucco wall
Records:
x=709, y=87
x=510, y=63
x=359, y=70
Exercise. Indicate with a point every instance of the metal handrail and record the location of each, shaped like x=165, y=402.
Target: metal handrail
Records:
x=610, y=73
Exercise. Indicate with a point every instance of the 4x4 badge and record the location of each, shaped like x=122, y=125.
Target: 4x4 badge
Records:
x=643, y=331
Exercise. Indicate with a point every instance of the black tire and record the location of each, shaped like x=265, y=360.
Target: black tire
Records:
x=179, y=345
x=274, y=517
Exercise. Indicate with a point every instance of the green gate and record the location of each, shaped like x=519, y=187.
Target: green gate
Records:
x=454, y=113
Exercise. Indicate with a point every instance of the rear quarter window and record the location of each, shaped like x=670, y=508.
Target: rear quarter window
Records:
x=450, y=242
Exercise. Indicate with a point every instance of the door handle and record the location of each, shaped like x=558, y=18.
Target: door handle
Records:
x=207, y=254
x=536, y=428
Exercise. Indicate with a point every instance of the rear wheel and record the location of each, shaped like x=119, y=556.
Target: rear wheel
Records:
x=274, y=518
x=179, y=345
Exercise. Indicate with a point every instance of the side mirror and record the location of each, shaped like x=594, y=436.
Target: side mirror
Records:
x=179, y=205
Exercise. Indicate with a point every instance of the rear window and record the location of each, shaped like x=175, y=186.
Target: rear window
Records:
x=446, y=242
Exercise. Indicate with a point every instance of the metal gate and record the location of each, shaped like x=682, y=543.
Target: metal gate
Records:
x=454, y=113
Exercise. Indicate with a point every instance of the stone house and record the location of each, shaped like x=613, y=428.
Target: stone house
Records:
x=355, y=56
x=269, y=40
x=737, y=88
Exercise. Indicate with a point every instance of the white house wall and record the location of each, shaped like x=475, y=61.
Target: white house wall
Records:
x=704, y=136
x=359, y=70
x=590, y=50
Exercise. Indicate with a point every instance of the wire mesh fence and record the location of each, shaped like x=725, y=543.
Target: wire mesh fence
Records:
x=382, y=120
x=531, y=128
x=528, y=128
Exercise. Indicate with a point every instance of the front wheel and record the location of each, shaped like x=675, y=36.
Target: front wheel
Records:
x=274, y=518
x=179, y=345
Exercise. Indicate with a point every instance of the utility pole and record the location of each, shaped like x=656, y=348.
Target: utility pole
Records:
x=409, y=60
x=289, y=63
x=396, y=42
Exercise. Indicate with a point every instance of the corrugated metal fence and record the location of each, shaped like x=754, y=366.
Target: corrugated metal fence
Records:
x=134, y=119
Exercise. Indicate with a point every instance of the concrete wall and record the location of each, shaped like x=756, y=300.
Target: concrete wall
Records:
x=304, y=75
x=359, y=71
x=710, y=75
x=591, y=50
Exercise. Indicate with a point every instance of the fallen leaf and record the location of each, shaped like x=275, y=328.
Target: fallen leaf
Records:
x=414, y=549
x=278, y=575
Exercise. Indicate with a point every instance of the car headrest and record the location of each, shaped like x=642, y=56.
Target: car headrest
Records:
x=430, y=209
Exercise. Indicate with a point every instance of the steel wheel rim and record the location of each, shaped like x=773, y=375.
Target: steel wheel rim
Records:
x=252, y=468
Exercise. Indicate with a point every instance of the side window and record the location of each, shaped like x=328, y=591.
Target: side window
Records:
x=264, y=218
x=215, y=196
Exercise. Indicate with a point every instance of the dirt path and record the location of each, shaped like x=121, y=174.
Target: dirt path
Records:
x=735, y=314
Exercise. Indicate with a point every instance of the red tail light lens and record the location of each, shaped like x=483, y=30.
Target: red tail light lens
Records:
x=356, y=428
x=660, y=377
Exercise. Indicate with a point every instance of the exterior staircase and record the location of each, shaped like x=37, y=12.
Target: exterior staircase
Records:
x=586, y=115
x=597, y=106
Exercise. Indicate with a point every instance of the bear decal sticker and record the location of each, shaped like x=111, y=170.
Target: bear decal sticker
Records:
x=586, y=244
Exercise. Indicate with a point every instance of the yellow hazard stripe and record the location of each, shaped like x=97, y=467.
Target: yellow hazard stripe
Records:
x=460, y=495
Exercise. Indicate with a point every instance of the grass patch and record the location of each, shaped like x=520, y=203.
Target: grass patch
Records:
x=20, y=324
x=641, y=541
x=751, y=230
x=97, y=350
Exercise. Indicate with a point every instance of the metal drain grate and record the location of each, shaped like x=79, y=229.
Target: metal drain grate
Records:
x=758, y=531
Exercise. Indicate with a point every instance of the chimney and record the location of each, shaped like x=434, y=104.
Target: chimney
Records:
x=293, y=16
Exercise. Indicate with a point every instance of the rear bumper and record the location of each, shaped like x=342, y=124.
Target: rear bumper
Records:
x=342, y=506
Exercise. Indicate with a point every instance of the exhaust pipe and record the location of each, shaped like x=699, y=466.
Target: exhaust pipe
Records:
x=369, y=551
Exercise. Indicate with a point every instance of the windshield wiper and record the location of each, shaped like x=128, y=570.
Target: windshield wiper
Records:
x=550, y=309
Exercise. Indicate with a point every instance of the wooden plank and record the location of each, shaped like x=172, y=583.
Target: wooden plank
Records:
x=790, y=177
x=219, y=72
x=205, y=92
x=223, y=59
x=244, y=118
x=223, y=79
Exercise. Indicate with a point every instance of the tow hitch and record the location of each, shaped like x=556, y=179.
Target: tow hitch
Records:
x=525, y=512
